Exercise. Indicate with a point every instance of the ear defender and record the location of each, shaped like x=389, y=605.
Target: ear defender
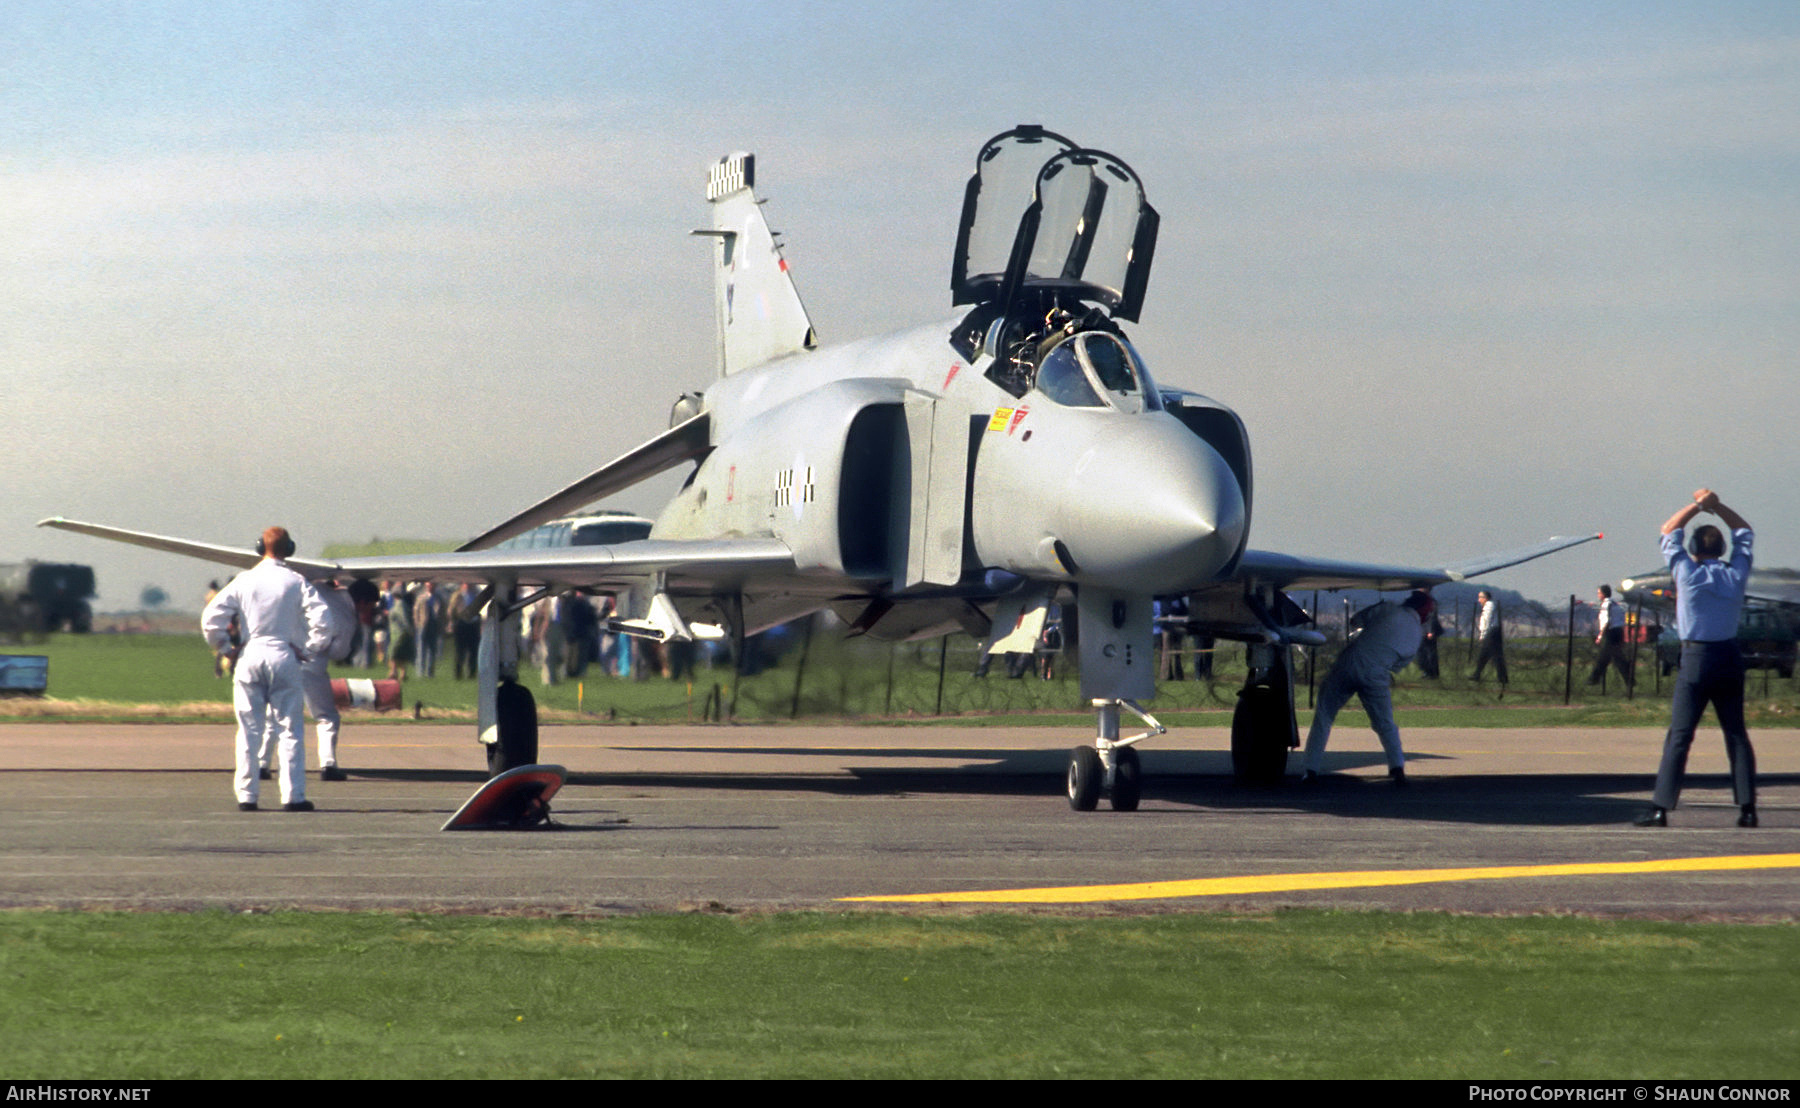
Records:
x=283, y=543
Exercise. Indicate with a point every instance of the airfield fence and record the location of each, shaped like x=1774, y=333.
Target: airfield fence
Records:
x=812, y=670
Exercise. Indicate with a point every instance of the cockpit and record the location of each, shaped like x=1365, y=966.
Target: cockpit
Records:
x=1054, y=246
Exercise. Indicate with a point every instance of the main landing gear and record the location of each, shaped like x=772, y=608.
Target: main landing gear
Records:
x=506, y=712
x=517, y=722
x=1111, y=765
x=1262, y=727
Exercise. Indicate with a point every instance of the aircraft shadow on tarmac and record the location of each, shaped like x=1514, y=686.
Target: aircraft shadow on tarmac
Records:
x=1517, y=800
x=1175, y=783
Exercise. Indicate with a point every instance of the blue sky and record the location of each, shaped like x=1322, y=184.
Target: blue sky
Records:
x=1473, y=274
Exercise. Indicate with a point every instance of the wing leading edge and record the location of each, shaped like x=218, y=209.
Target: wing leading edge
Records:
x=703, y=564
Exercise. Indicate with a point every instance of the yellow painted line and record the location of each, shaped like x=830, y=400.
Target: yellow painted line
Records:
x=1362, y=879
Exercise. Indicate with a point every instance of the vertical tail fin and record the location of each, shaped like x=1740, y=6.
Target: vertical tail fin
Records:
x=759, y=310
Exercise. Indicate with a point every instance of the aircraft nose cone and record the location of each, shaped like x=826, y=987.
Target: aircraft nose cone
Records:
x=1159, y=512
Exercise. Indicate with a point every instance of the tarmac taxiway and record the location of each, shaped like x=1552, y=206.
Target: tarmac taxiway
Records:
x=762, y=817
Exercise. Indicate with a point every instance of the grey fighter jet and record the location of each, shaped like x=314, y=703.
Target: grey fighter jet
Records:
x=1768, y=627
x=1773, y=587
x=961, y=475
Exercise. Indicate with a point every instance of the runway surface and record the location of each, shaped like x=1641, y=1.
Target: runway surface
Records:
x=756, y=817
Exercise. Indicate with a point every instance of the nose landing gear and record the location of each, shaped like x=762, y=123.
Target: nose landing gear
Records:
x=1111, y=765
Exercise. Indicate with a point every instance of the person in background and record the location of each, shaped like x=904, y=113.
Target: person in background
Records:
x=465, y=628
x=1390, y=636
x=342, y=638
x=1610, y=637
x=1492, y=638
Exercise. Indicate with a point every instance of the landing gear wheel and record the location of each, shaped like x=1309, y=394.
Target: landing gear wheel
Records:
x=1259, y=735
x=516, y=719
x=1085, y=776
x=1128, y=779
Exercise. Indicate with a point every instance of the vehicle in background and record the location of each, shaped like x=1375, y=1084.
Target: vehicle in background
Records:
x=595, y=529
x=38, y=597
x=1767, y=635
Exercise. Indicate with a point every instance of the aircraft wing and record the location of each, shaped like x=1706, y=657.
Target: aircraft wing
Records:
x=703, y=564
x=706, y=565
x=1288, y=571
x=240, y=557
x=683, y=442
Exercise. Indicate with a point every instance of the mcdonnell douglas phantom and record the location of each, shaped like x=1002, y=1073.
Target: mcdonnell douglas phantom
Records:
x=961, y=475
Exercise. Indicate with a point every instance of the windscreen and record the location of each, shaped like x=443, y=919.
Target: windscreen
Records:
x=1094, y=370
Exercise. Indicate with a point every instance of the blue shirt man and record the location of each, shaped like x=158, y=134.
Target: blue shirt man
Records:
x=1709, y=598
x=1709, y=593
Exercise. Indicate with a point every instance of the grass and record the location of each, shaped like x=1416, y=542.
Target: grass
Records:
x=147, y=677
x=1296, y=994
x=1302, y=994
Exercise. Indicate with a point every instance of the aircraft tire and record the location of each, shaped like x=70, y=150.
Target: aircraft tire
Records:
x=1259, y=737
x=1128, y=779
x=516, y=719
x=1085, y=776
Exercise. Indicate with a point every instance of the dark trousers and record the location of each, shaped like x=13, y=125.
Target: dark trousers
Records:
x=467, y=638
x=1493, y=649
x=1427, y=658
x=1612, y=649
x=1711, y=672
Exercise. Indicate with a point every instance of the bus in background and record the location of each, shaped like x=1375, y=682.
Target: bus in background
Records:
x=595, y=529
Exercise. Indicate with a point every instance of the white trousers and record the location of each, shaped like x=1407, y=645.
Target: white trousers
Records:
x=315, y=683
x=267, y=695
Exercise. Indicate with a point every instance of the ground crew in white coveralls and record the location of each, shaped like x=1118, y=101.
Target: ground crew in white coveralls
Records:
x=315, y=680
x=284, y=622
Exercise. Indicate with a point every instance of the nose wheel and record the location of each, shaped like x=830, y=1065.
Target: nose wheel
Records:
x=1111, y=766
x=1086, y=777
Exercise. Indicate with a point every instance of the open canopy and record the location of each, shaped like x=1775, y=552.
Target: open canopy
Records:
x=1041, y=214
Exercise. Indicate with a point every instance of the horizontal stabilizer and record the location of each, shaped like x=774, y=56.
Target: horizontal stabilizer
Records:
x=684, y=442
